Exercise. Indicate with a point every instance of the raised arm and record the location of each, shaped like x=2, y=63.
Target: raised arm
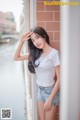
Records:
x=17, y=55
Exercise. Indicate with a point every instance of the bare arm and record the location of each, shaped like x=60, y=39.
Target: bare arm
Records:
x=17, y=55
x=57, y=84
x=47, y=105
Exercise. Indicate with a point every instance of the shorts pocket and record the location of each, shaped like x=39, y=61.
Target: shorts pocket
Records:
x=48, y=89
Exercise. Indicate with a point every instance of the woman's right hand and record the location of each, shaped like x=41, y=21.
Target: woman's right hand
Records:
x=26, y=36
x=17, y=55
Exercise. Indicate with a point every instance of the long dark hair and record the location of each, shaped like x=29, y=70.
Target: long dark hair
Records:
x=33, y=50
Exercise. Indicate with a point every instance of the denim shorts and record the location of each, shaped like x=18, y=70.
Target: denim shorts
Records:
x=44, y=93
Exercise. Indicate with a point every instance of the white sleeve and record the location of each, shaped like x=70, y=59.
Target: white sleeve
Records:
x=56, y=59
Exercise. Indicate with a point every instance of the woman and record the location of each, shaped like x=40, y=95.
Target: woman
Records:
x=44, y=61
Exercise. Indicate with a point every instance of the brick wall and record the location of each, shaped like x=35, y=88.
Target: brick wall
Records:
x=48, y=17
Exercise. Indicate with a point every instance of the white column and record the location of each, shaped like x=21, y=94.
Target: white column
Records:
x=27, y=74
x=30, y=79
x=27, y=15
x=70, y=62
x=33, y=76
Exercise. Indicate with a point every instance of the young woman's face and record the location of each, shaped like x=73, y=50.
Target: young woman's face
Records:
x=37, y=40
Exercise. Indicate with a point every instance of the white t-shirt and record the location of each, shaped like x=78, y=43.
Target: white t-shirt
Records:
x=45, y=72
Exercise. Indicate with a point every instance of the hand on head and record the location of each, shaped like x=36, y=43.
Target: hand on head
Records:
x=26, y=36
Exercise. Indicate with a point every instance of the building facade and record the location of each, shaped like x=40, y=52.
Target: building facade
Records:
x=7, y=23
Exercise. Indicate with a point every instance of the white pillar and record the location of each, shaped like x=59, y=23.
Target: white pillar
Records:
x=30, y=79
x=27, y=15
x=70, y=62
x=27, y=74
x=33, y=80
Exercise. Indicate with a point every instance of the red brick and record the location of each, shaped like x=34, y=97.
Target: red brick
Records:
x=56, y=35
x=57, y=16
x=55, y=45
x=52, y=8
x=44, y=16
x=50, y=36
x=53, y=26
x=40, y=6
x=41, y=24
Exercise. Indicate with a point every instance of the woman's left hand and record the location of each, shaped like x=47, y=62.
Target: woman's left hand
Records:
x=48, y=104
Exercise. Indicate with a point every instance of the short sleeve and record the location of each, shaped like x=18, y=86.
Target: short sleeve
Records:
x=56, y=59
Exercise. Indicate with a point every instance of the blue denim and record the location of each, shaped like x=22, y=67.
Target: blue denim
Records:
x=44, y=93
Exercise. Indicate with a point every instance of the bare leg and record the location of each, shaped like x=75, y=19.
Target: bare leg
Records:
x=41, y=110
x=51, y=115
